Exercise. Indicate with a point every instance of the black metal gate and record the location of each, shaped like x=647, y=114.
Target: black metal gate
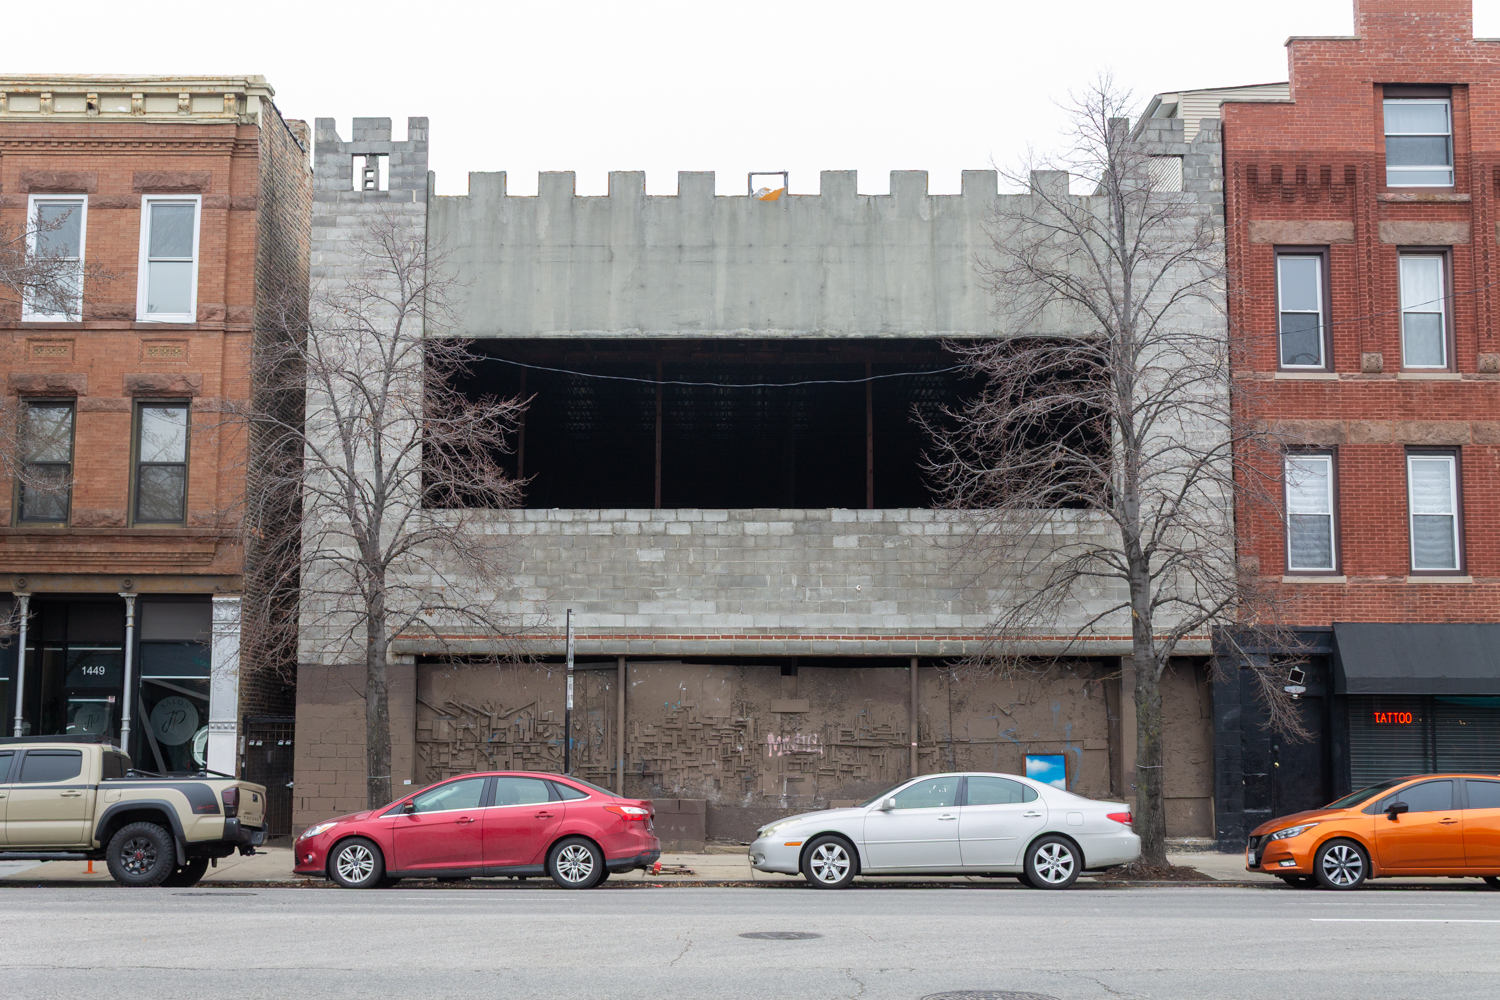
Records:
x=268, y=761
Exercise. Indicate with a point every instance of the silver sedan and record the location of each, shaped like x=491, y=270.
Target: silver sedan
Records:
x=953, y=824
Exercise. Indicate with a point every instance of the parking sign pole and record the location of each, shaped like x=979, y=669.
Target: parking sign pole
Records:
x=568, y=710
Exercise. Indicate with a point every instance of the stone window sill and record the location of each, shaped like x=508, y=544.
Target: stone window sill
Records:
x=1312, y=376
x=1340, y=578
x=1441, y=197
x=1440, y=579
x=1430, y=376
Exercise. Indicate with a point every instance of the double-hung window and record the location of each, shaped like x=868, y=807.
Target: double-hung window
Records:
x=1311, y=537
x=1300, y=310
x=168, y=288
x=55, y=231
x=1419, y=142
x=1424, y=311
x=46, y=480
x=161, y=454
x=1432, y=490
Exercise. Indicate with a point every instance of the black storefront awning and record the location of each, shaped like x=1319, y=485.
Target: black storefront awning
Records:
x=1383, y=658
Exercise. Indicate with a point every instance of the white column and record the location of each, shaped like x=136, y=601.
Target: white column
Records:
x=224, y=688
x=24, y=600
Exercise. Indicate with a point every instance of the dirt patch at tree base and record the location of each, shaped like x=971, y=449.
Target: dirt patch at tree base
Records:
x=1139, y=871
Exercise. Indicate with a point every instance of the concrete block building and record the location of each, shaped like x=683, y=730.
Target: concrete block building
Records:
x=190, y=196
x=723, y=484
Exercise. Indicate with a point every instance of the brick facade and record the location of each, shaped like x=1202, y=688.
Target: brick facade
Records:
x=117, y=141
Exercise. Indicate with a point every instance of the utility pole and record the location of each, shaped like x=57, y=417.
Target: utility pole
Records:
x=568, y=710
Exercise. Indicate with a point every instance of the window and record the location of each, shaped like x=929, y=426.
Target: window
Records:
x=1424, y=322
x=1309, y=513
x=51, y=765
x=464, y=794
x=1483, y=794
x=114, y=765
x=567, y=792
x=55, y=234
x=987, y=791
x=928, y=793
x=521, y=791
x=161, y=463
x=46, y=480
x=5, y=766
x=1300, y=301
x=1429, y=796
x=168, y=289
x=1419, y=142
x=1432, y=484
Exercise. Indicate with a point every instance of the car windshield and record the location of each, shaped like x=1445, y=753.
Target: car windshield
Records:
x=885, y=794
x=1355, y=798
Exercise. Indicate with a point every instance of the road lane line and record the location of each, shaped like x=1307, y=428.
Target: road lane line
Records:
x=1398, y=920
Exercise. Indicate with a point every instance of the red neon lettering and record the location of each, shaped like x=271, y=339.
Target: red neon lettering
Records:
x=1393, y=718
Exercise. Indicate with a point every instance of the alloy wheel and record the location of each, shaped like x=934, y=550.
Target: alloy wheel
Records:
x=1343, y=865
x=575, y=863
x=355, y=863
x=138, y=856
x=829, y=862
x=1053, y=863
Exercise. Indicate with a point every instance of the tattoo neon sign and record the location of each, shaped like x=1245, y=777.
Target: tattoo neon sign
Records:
x=1393, y=718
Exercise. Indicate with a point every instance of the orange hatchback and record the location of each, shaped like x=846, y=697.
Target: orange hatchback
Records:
x=1429, y=824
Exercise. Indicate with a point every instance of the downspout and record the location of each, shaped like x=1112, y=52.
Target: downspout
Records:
x=913, y=717
x=620, y=728
x=129, y=649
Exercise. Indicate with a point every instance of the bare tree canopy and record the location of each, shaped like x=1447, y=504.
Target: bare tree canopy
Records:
x=1101, y=465
x=393, y=470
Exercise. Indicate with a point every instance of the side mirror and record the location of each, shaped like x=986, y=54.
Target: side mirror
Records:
x=410, y=807
x=1395, y=809
x=888, y=804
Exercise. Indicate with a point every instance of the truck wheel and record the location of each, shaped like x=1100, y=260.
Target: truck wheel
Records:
x=357, y=864
x=141, y=854
x=187, y=875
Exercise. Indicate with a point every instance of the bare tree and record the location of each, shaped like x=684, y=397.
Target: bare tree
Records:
x=396, y=470
x=1100, y=469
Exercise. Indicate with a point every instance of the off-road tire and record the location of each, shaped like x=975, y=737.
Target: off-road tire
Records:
x=830, y=862
x=141, y=855
x=575, y=863
x=356, y=863
x=188, y=875
x=1053, y=862
x=1341, y=864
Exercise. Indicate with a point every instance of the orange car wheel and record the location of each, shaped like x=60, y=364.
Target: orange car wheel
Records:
x=1341, y=864
x=1493, y=881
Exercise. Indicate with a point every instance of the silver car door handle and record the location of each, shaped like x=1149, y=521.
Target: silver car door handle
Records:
x=941, y=818
x=1031, y=815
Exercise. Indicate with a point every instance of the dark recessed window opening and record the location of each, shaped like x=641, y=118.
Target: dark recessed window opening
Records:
x=741, y=435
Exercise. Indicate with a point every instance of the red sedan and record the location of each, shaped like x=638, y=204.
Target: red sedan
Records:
x=498, y=824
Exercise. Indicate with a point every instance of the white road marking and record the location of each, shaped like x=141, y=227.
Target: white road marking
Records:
x=1398, y=920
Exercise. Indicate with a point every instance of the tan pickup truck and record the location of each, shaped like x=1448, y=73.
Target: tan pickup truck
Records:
x=66, y=800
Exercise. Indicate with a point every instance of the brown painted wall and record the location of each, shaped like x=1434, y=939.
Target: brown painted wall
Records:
x=708, y=731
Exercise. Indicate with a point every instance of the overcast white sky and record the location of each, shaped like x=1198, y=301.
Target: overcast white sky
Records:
x=724, y=85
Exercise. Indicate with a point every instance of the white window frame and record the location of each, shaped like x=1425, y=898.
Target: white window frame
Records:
x=1321, y=310
x=1441, y=309
x=1392, y=174
x=1411, y=533
x=143, y=262
x=27, y=315
x=1332, y=514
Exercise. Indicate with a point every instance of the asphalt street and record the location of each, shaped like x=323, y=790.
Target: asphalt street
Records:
x=874, y=943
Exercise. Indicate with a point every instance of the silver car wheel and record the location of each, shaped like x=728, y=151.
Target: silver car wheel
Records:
x=1053, y=863
x=355, y=863
x=575, y=863
x=1342, y=865
x=829, y=862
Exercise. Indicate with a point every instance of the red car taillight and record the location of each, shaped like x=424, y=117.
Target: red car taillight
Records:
x=1125, y=818
x=231, y=802
x=630, y=812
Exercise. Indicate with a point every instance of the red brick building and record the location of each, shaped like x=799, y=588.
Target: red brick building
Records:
x=1365, y=287
x=192, y=196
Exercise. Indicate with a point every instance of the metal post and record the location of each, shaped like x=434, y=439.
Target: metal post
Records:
x=913, y=716
x=620, y=728
x=24, y=600
x=869, y=437
x=568, y=710
x=129, y=648
x=658, y=437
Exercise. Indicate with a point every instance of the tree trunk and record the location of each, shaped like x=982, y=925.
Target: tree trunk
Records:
x=377, y=710
x=1150, y=811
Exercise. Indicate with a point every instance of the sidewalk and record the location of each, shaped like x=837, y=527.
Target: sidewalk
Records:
x=274, y=864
